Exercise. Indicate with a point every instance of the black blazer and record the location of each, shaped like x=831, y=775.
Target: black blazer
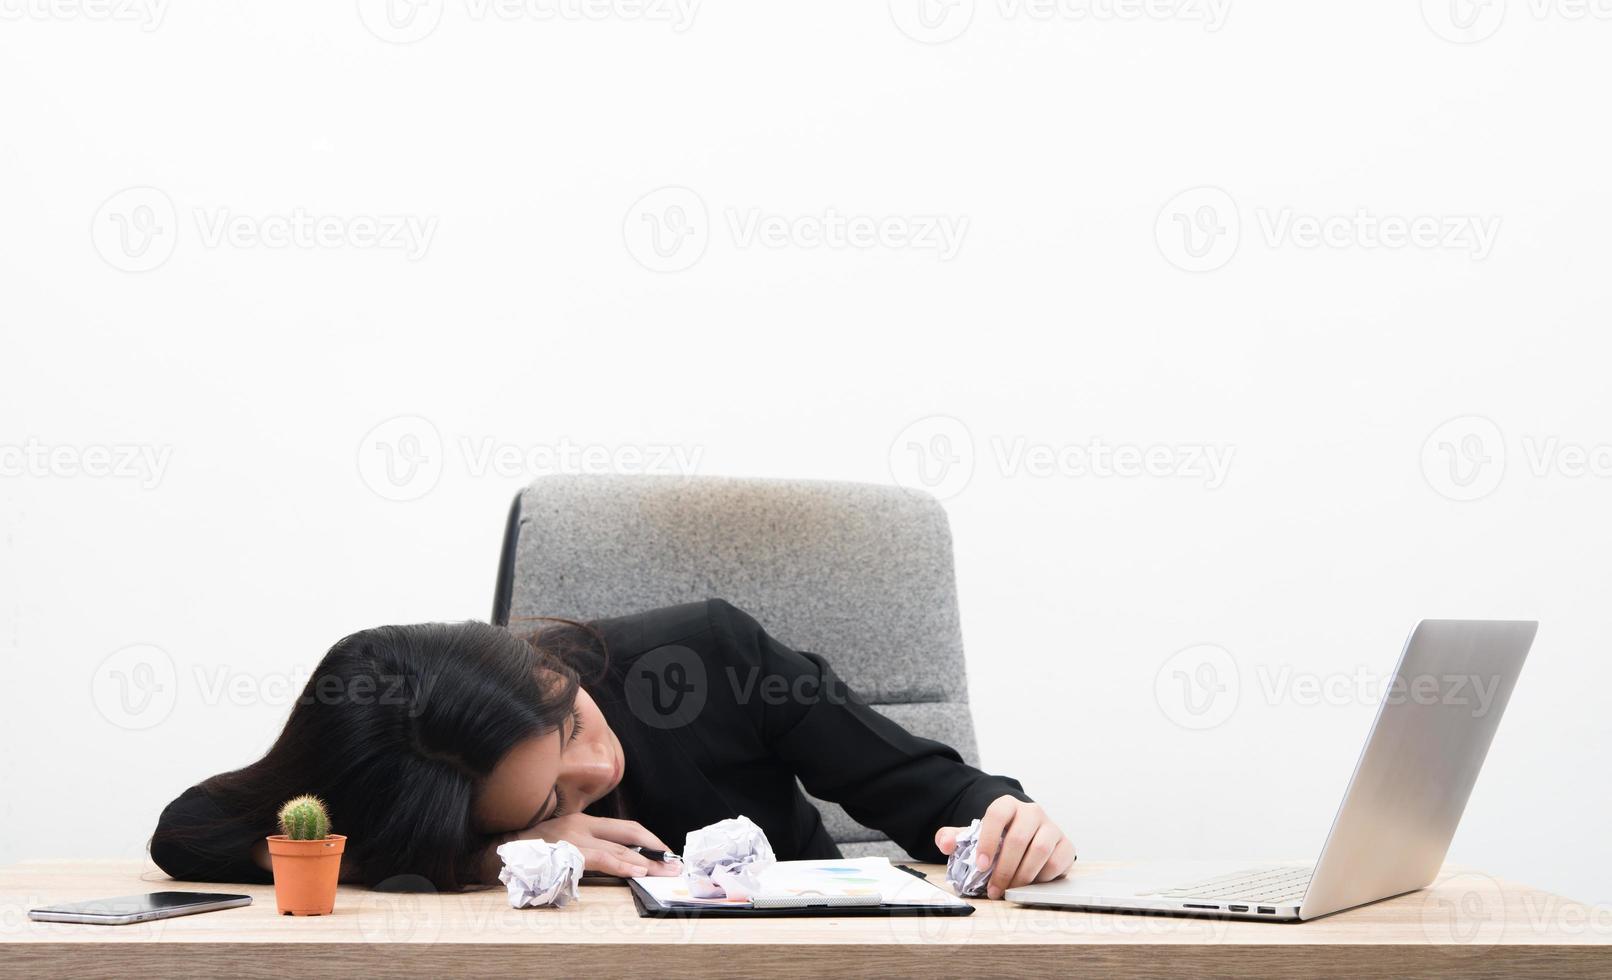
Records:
x=762, y=715
x=719, y=719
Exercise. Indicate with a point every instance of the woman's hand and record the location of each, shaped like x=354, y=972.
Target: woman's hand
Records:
x=603, y=842
x=1017, y=841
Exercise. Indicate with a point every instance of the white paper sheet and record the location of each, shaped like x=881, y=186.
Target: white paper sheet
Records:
x=833, y=877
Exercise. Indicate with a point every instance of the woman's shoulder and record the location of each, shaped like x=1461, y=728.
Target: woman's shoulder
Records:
x=674, y=664
x=631, y=636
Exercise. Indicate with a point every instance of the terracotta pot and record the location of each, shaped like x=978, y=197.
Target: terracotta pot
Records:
x=305, y=873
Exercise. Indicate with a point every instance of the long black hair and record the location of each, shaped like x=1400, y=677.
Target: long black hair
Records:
x=395, y=731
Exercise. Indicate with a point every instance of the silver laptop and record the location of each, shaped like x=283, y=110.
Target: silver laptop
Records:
x=1411, y=783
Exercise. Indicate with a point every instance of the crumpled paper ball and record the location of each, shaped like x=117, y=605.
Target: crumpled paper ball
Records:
x=726, y=859
x=967, y=878
x=539, y=873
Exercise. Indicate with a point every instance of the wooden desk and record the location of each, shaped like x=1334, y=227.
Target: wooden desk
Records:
x=1467, y=925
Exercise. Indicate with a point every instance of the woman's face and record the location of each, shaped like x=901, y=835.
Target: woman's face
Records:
x=546, y=776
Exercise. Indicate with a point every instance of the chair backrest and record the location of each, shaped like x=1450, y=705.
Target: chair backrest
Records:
x=858, y=573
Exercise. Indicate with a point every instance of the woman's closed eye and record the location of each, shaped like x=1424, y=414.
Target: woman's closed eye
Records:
x=576, y=726
x=547, y=812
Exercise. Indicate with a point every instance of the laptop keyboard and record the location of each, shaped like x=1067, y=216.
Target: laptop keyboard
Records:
x=1268, y=886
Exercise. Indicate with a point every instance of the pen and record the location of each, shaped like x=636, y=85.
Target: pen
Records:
x=654, y=855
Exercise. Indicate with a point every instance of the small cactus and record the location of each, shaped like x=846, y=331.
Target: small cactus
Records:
x=304, y=818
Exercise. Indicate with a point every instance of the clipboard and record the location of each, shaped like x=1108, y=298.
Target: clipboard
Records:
x=649, y=907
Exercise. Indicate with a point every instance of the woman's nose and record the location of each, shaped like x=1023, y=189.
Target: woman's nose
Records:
x=586, y=766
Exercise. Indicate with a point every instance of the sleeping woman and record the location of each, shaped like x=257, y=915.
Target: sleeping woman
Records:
x=432, y=744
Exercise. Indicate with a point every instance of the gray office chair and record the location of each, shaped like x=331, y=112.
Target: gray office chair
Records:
x=861, y=574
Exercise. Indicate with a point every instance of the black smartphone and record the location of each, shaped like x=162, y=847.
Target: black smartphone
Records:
x=137, y=908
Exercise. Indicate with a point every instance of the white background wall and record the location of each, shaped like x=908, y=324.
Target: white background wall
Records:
x=533, y=317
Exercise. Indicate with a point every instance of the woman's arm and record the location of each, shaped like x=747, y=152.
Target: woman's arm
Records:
x=916, y=790
x=603, y=842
